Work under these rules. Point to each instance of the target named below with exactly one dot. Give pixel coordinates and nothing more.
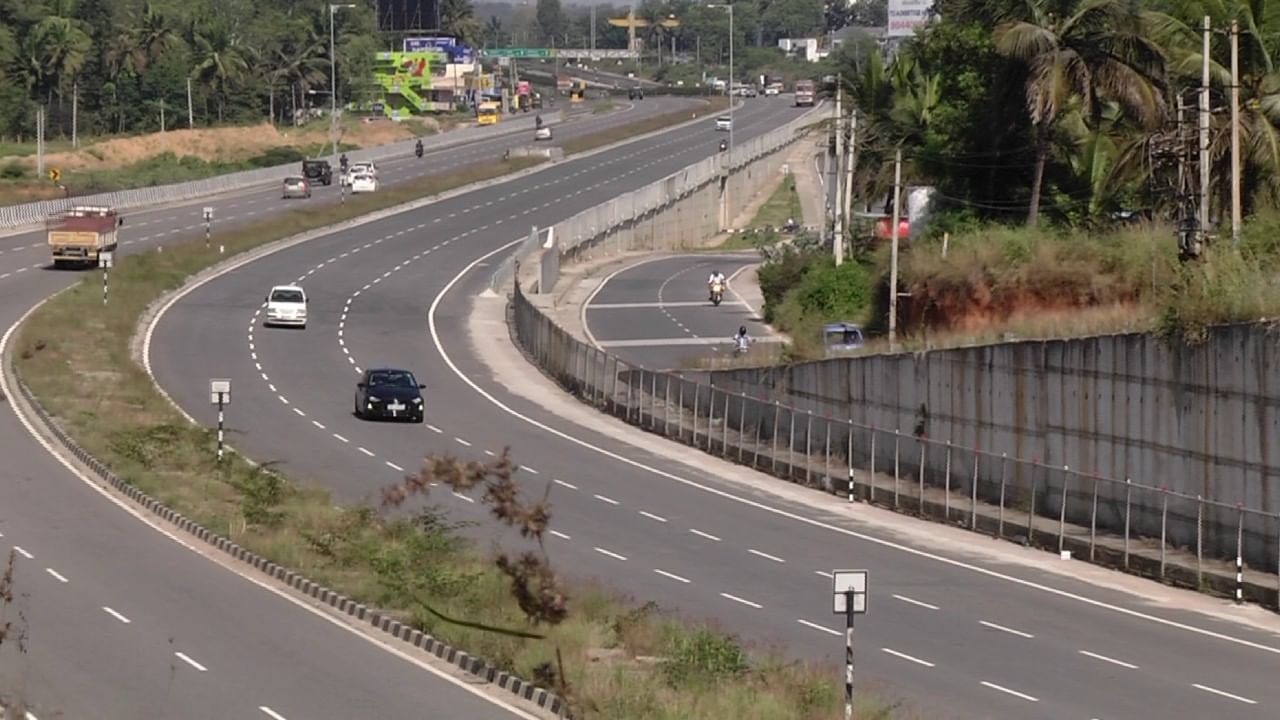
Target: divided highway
(119, 622)
(962, 634)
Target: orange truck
(78, 235)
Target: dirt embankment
(228, 144)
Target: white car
(367, 168)
(772, 90)
(724, 122)
(287, 305)
(542, 133)
(363, 182)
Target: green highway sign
(518, 52)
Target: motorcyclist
(724, 145)
(342, 162)
(715, 277)
(418, 148)
(741, 341)
(537, 121)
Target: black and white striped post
(849, 593)
(220, 395)
(1240, 554)
(106, 259)
(208, 225)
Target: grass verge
(624, 132)
(622, 661)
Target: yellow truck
(78, 235)
(488, 113)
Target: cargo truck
(804, 93)
(78, 235)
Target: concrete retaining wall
(1202, 421)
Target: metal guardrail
(17, 216)
(1141, 528)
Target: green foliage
(701, 655)
(778, 275)
(834, 293)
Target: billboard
(446, 45)
(907, 15)
(408, 15)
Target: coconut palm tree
(219, 60)
(1100, 50)
(457, 17)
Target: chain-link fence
(1142, 528)
(16, 216)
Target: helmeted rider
(716, 276)
(343, 161)
(418, 148)
(537, 120)
(742, 340)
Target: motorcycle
(717, 293)
(418, 151)
(724, 146)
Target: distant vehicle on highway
(842, 337)
(287, 305)
(724, 122)
(295, 187)
(488, 113)
(635, 93)
(542, 133)
(364, 167)
(318, 170)
(773, 89)
(805, 93)
(363, 182)
(77, 236)
(389, 393)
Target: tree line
(1082, 110)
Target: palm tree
(153, 36)
(1103, 49)
(457, 17)
(219, 60)
(493, 32)
(59, 48)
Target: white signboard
(106, 259)
(220, 391)
(907, 15)
(844, 582)
(208, 214)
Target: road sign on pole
(105, 260)
(220, 395)
(849, 594)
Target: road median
(72, 362)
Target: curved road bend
(971, 637)
(656, 314)
(107, 604)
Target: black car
(635, 94)
(318, 170)
(389, 393)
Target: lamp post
(333, 78)
(729, 87)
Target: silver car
(296, 187)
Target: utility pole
(161, 114)
(40, 141)
(593, 31)
(893, 255)
(1204, 135)
(851, 149)
(1235, 132)
(75, 114)
(191, 114)
(837, 226)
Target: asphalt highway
(656, 313)
(119, 622)
(963, 635)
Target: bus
(488, 113)
(804, 93)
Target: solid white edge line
(816, 626)
(287, 597)
(907, 657)
(1014, 693)
(986, 572)
(1111, 660)
(1224, 694)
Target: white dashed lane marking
(116, 615)
(191, 662)
(708, 536)
(673, 576)
(743, 601)
(560, 535)
(608, 553)
(56, 575)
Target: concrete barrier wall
(1200, 422)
